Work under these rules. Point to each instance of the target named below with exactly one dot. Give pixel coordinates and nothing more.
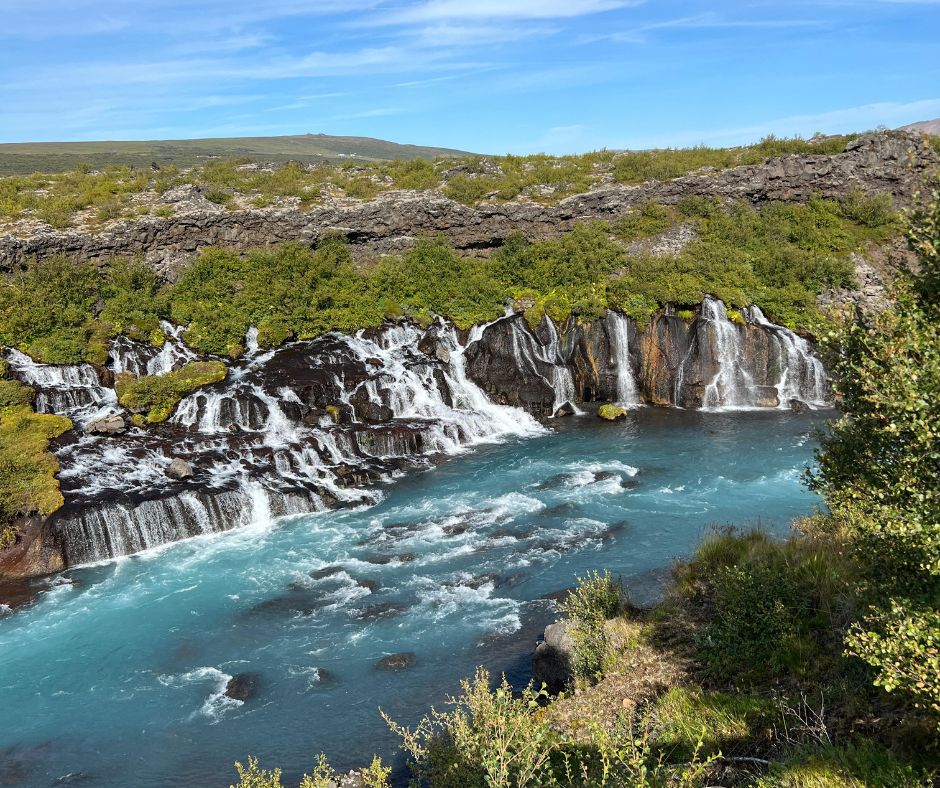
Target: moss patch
(158, 395)
(611, 412)
(27, 469)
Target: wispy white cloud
(437, 10)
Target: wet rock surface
(243, 686)
(394, 662)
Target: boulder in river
(109, 425)
(798, 406)
(242, 686)
(400, 661)
(552, 662)
(179, 469)
(611, 412)
(565, 409)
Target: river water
(114, 677)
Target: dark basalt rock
(566, 409)
(372, 585)
(242, 686)
(327, 571)
(380, 610)
(401, 661)
(798, 406)
(552, 662)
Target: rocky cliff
(889, 162)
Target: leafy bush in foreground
(597, 598)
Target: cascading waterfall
(303, 427)
(529, 353)
(802, 374)
(126, 355)
(732, 385)
(74, 391)
(260, 462)
(628, 394)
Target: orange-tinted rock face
(35, 553)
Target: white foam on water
(217, 703)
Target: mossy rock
(611, 412)
(27, 468)
(158, 395)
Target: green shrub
(596, 598)
(490, 738)
(771, 609)
(877, 467)
(158, 395)
(12, 393)
(651, 219)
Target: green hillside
(20, 158)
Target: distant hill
(927, 126)
(19, 158)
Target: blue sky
(485, 75)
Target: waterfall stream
(732, 386)
(540, 359)
(628, 394)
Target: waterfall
(732, 385)
(126, 355)
(529, 353)
(74, 391)
(627, 392)
(802, 375)
(254, 456)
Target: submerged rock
(552, 662)
(401, 661)
(242, 686)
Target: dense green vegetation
(158, 395)
(27, 470)
(110, 191)
(779, 256)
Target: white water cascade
(732, 385)
(628, 394)
(140, 359)
(254, 455)
(71, 390)
(529, 351)
(802, 374)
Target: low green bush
(858, 764)
(771, 609)
(597, 598)
(687, 719)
